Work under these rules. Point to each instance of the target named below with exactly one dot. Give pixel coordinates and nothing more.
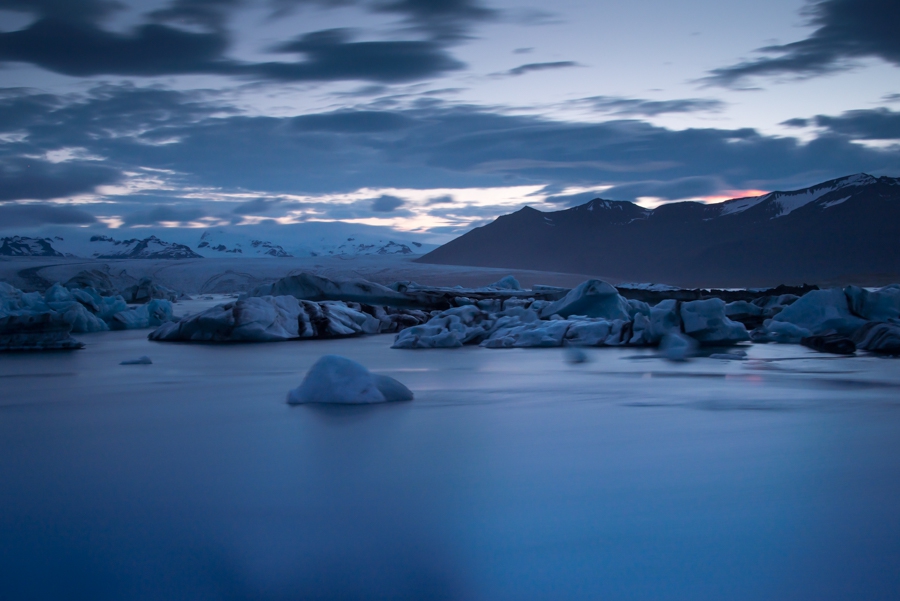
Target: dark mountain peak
(781, 203)
(843, 229)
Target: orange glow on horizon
(732, 194)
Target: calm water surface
(513, 475)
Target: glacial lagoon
(512, 475)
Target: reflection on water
(513, 475)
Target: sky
(429, 116)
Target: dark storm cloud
(440, 19)
(446, 19)
(387, 204)
(846, 30)
(210, 13)
(162, 214)
(331, 55)
(82, 49)
(80, 10)
(432, 146)
(352, 122)
(531, 67)
(871, 124)
(649, 108)
(686, 187)
(257, 206)
(25, 178)
(29, 215)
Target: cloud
(443, 19)
(209, 13)
(330, 55)
(257, 206)
(846, 30)
(352, 122)
(531, 67)
(29, 215)
(80, 10)
(83, 49)
(162, 214)
(79, 48)
(211, 152)
(446, 20)
(868, 124)
(618, 105)
(387, 204)
(34, 179)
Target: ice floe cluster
(503, 315)
(278, 318)
(592, 314)
(39, 321)
(837, 320)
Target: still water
(513, 475)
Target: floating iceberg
(675, 346)
(36, 332)
(82, 310)
(821, 312)
(876, 305)
(705, 321)
(278, 318)
(879, 337)
(593, 298)
(143, 360)
(337, 380)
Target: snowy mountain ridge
(785, 203)
(23, 246)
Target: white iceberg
(875, 305)
(36, 332)
(879, 337)
(675, 346)
(821, 312)
(705, 321)
(592, 298)
(269, 319)
(337, 380)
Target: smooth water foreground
(513, 475)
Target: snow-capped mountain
(378, 247)
(780, 204)
(841, 229)
(22, 246)
(105, 247)
(211, 242)
(305, 240)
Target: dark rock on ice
(830, 343)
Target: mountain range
(300, 240)
(844, 229)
